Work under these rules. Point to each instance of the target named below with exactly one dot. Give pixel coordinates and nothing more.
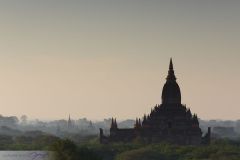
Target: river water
(26, 155)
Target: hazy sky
(99, 59)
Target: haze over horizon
(110, 59)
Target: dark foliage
(67, 150)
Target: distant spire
(69, 121)
(136, 122)
(112, 124)
(171, 75)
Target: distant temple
(170, 121)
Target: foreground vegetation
(219, 150)
(91, 149)
(216, 151)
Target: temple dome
(171, 91)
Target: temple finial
(171, 75)
(171, 64)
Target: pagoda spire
(171, 75)
(171, 64)
(112, 124)
(69, 121)
(171, 91)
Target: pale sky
(102, 58)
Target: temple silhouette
(170, 122)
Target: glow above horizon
(101, 59)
